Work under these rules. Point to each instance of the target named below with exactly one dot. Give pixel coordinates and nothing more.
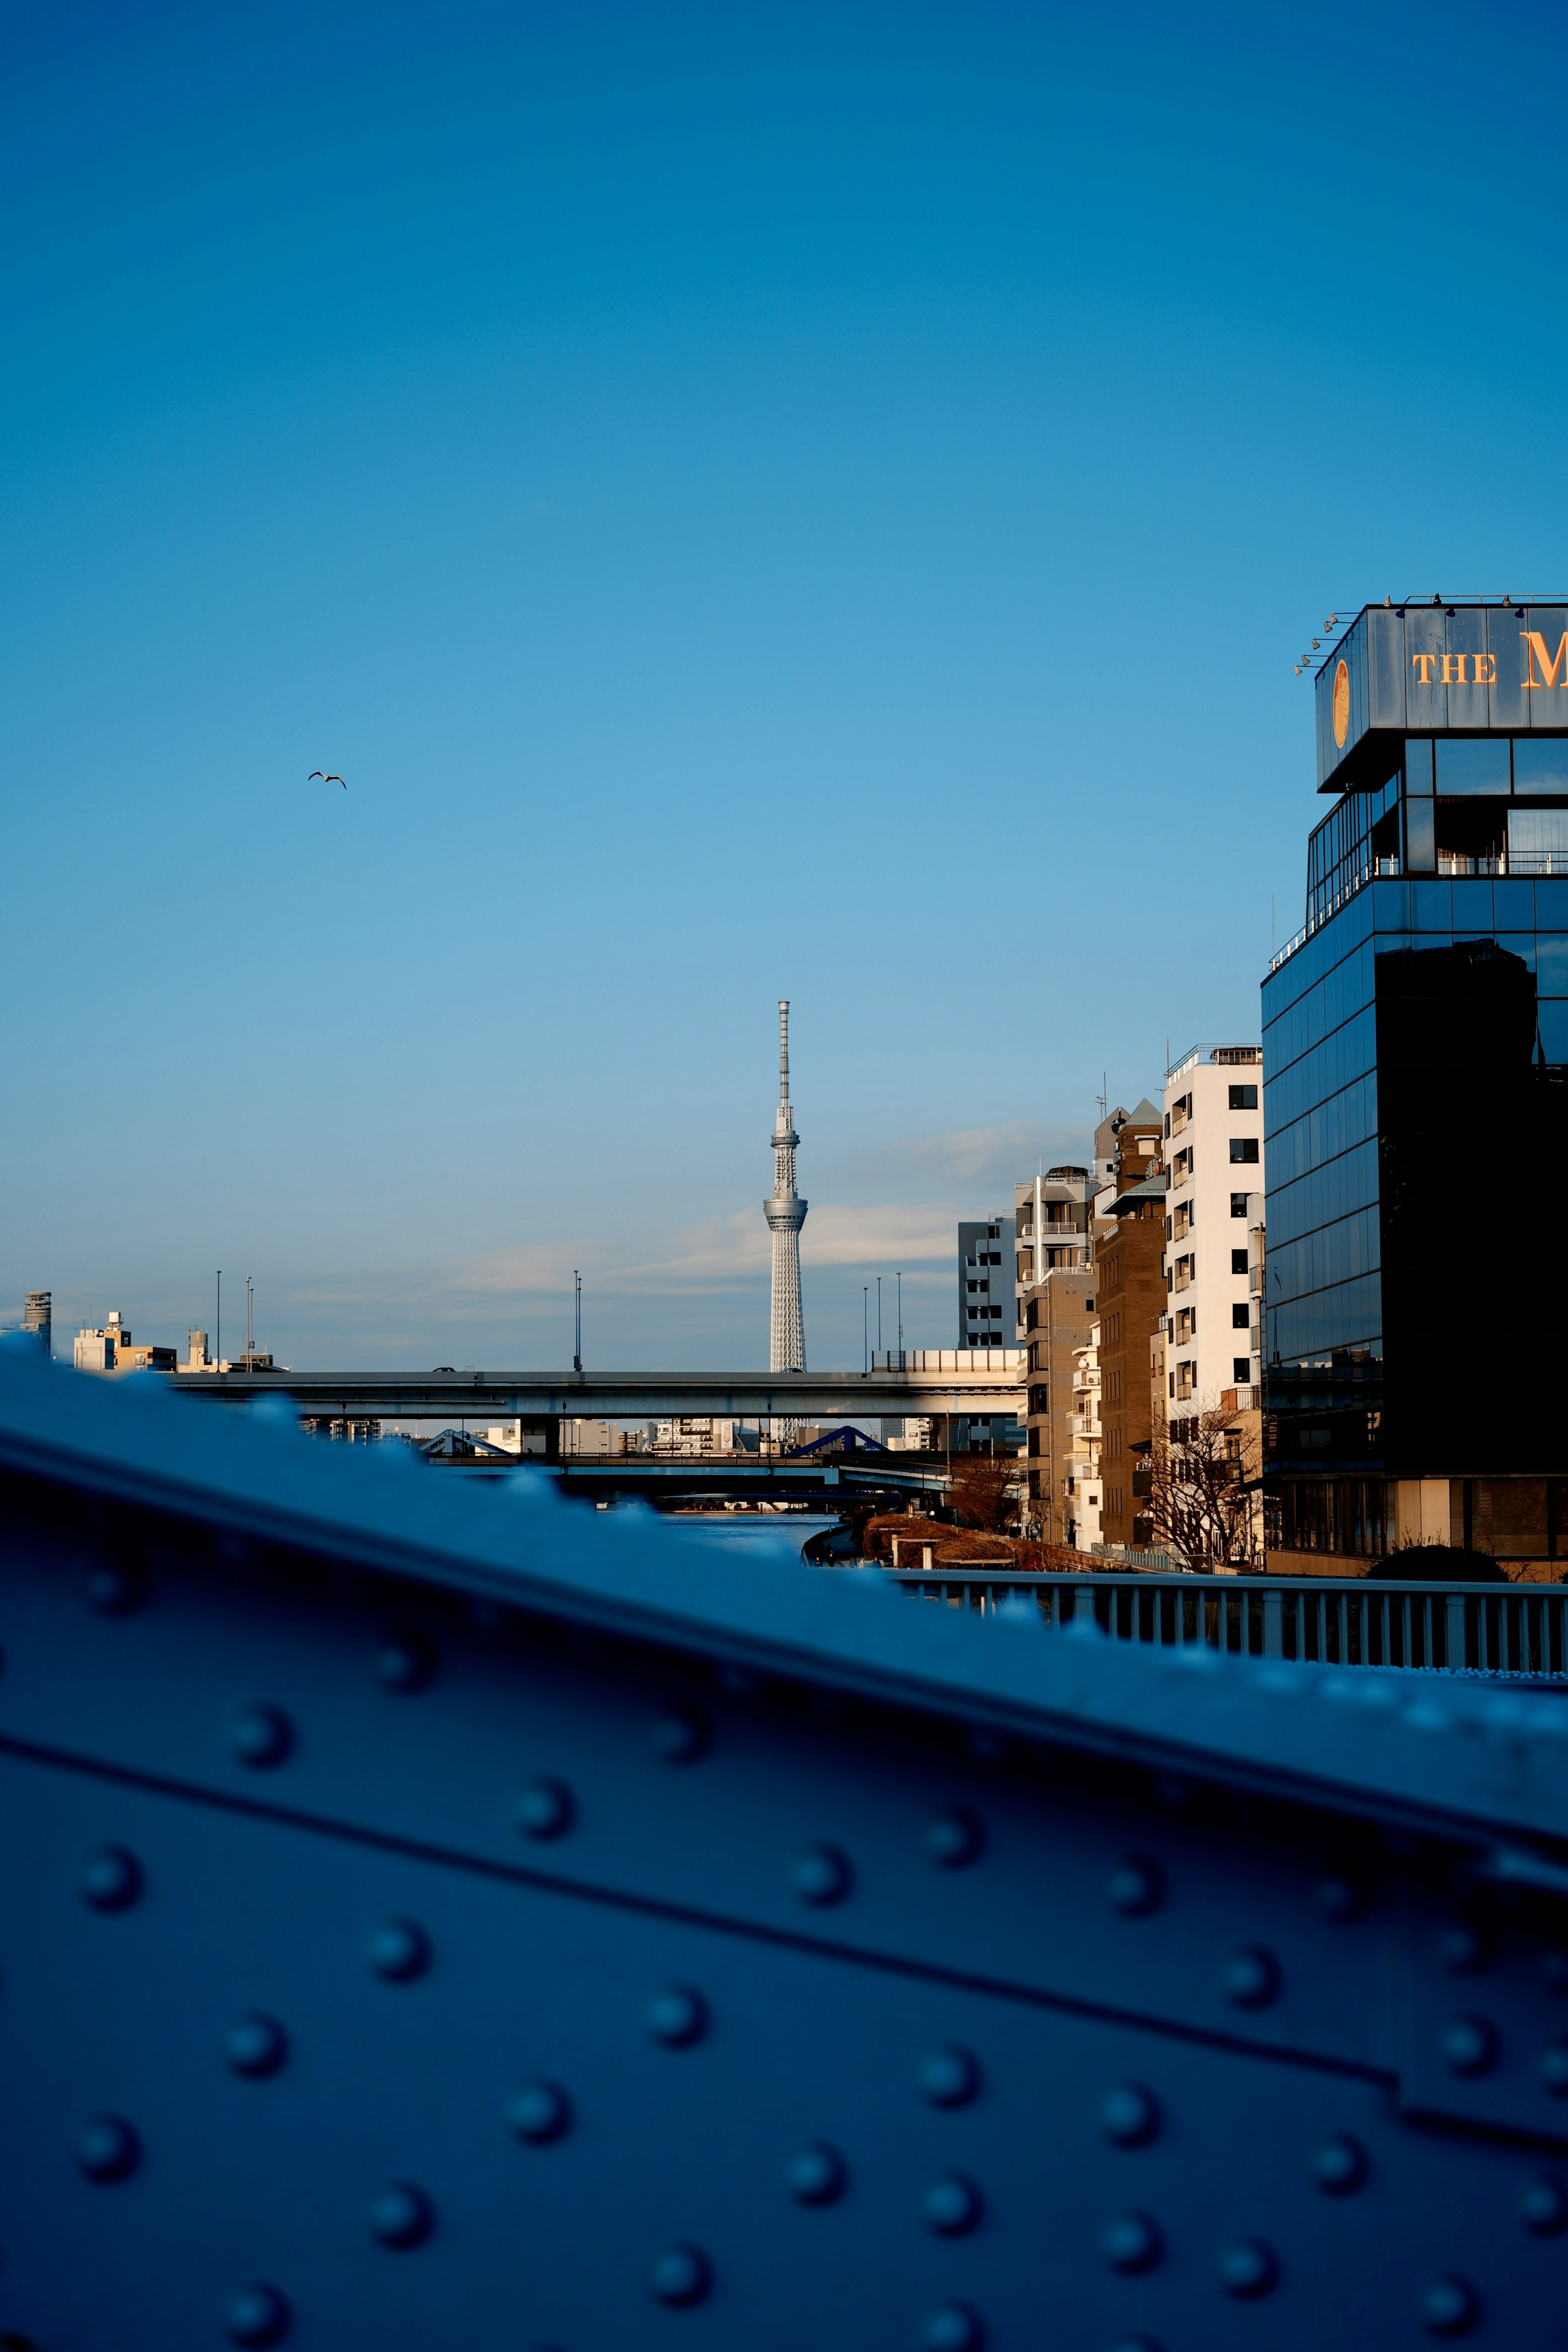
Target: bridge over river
(927, 1381)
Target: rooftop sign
(1437, 670)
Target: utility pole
(866, 1329)
(220, 1319)
(879, 1315)
(899, 1278)
(577, 1347)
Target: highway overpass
(959, 1381)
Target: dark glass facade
(1416, 1107)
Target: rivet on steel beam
(1340, 2164)
(678, 2016)
(1247, 2267)
(255, 2044)
(1464, 1948)
(950, 2076)
(1469, 2045)
(405, 1662)
(261, 1736)
(1544, 2205)
(399, 1950)
(546, 1808)
(400, 2215)
(257, 2316)
(954, 1837)
(1250, 1977)
(115, 1590)
(680, 2277)
(1341, 1898)
(1555, 2069)
(1129, 2115)
(954, 2327)
(1136, 1887)
(816, 2174)
(110, 1879)
(952, 2206)
(682, 1734)
(539, 2112)
(1450, 2307)
(108, 2149)
(1132, 2242)
(822, 1875)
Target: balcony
(1083, 1424)
(1182, 1279)
(1255, 1281)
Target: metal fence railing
(1328, 1620)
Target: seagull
(325, 778)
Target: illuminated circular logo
(1341, 705)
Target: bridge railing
(1331, 1621)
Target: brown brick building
(1057, 1315)
(1130, 1299)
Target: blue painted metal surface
(437, 1916)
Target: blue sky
(817, 502)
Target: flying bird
(325, 778)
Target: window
(973, 1287)
(1239, 1316)
(1244, 1147)
(1241, 1368)
(1032, 1316)
(1171, 1376)
(1238, 1261)
(1243, 1098)
(996, 1256)
(1239, 1204)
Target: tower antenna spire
(786, 1213)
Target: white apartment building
(1214, 1152)
(1082, 1489)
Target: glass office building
(1415, 1099)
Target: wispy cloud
(721, 1253)
(984, 1157)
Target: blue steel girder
(439, 1914)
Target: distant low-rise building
(110, 1348)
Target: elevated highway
(937, 1381)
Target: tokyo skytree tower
(786, 1213)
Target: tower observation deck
(786, 1213)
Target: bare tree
(983, 1490)
(1201, 1500)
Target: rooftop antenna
(577, 1351)
(220, 1316)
